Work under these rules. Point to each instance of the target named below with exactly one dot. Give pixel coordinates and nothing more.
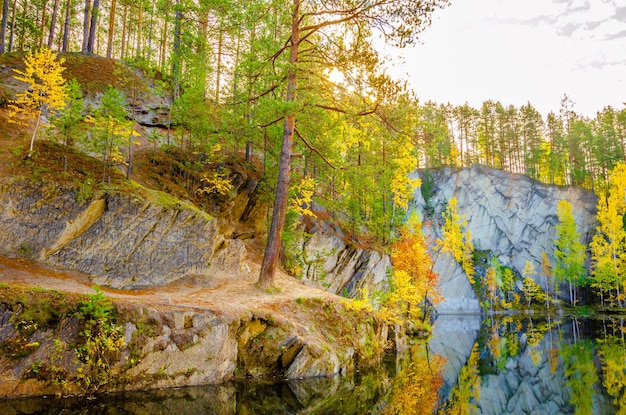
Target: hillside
(190, 257)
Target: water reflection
(510, 365)
(360, 393)
(556, 366)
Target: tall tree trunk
(42, 27)
(53, 23)
(163, 42)
(93, 25)
(150, 33)
(22, 37)
(124, 21)
(176, 52)
(218, 73)
(111, 29)
(66, 25)
(86, 25)
(3, 25)
(274, 239)
(138, 52)
(12, 26)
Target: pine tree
(69, 124)
(402, 20)
(110, 128)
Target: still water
(505, 365)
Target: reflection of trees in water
(463, 398)
(583, 360)
(415, 388)
(612, 351)
(580, 374)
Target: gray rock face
(123, 241)
(340, 267)
(509, 214)
(136, 243)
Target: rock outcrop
(510, 215)
(123, 241)
(126, 241)
(339, 266)
(181, 346)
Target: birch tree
(569, 252)
(608, 247)
(43, 74)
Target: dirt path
(229, 297)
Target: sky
(520, 51)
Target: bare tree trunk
(274, 239)
(93, 26)
(124, 21)
(66, 25)
(111, 29)
(32, 139)
(53, 23)
(163, 48)
(42, 27)
(150, 33)
(3, 25)
(176, 52)
(12, 26)
(21, 39)
(138, 52)
(86, 25)
(218, 73)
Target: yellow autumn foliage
(415, 389)
(302, 197)
(414, 282)
(456, 241)
(215, 183)
(43, 74)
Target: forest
(236, 76)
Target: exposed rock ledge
(182, 334)
(191, 284)
(123, 241)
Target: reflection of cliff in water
(523, 365)
(453, 338)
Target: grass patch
(36, 308)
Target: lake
(505, 365)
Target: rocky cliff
(127, 241)
(123, 241)
(340, 267)
(510, 215)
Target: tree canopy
(301, 87)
